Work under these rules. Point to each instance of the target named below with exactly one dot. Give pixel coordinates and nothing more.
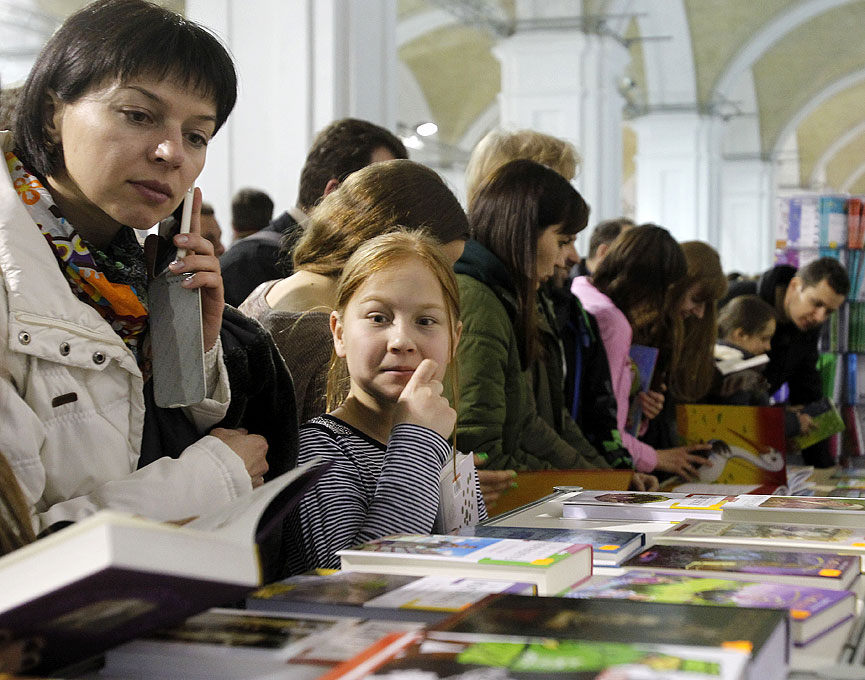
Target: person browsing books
(803, 300)
(112, 129)
(632, 297)
(395, 329)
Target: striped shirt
(370, 491)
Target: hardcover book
(609, 548)
(381, 596)
(813, 611)
(553, 567)
(639, 505)
(420, 657)
(813, 569)
(112, 576)
(748, 442)
(763, 633)
(828, 511)
(839, 540)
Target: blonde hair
(372, 201)
(500, 146)
(377, 255)
(692, 377)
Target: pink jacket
(616, 335)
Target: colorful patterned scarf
(113, 283)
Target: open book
(114, 576)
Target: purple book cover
(744, 560)
(110, 607)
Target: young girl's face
(757, 343)
(394, 321)
(552, 249)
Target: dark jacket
(255, 259)
(497, 413)
(794, 354)
(589, 401)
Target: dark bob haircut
(116, 40)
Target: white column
(746, 216)
(678, 173)
(301, 65)
(565, 84)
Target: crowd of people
(376, 324)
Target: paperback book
(112, 576)
(762, 633)
(419, 657)
(813, 611)
(381, 596)
(748, 442)
(839, 540)
(827, 421)
(827, 511)
(552, 567)
(811, 569)
(639, 505)
(609, 548)
(643, 360)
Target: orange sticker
(739, 645)
(829, 572)
(544, 561)
(609, 547)
(799, 614)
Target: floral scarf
(114, 283)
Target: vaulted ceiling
(792, 69)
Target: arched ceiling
(803, 57)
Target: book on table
(553, 567)
(748, 442)
(421, 656)
(800, 568)
(761, 633)
(643, 505)
(609, 548)
(813, 611)
(112, 576)
(380, 596)
(839, 540)
(816, 510)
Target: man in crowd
(803, 300)
(251, 211)
(340, 149)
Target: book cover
(815, 569)
(854, 211)
(382, 596)
(764, 633)
(813, 611)
(822, 510)
(551, 566)
(609, 548)
(643, 505)
(112, 577)
(833, 221)
(748, 442)
(643, 360)
(500, 659)
(827, 421)
(841, 540)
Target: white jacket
(71, 400)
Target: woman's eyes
(136, 116)
(427, 321)
(196, 139)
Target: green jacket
(497, 414)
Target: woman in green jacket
(522, 218)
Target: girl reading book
(395, 328)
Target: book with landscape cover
(643, 505)
(553, 567)
(806, 568)
(828, 511)
(112, 576)
(224, 644)
(381, 596)
(418, 656)
(839, 540)
(609, 548)
(827, 421)
(813, 611)
(748, 442)
(763, 633)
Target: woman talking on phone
(111, 130)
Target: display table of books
(606, 585)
